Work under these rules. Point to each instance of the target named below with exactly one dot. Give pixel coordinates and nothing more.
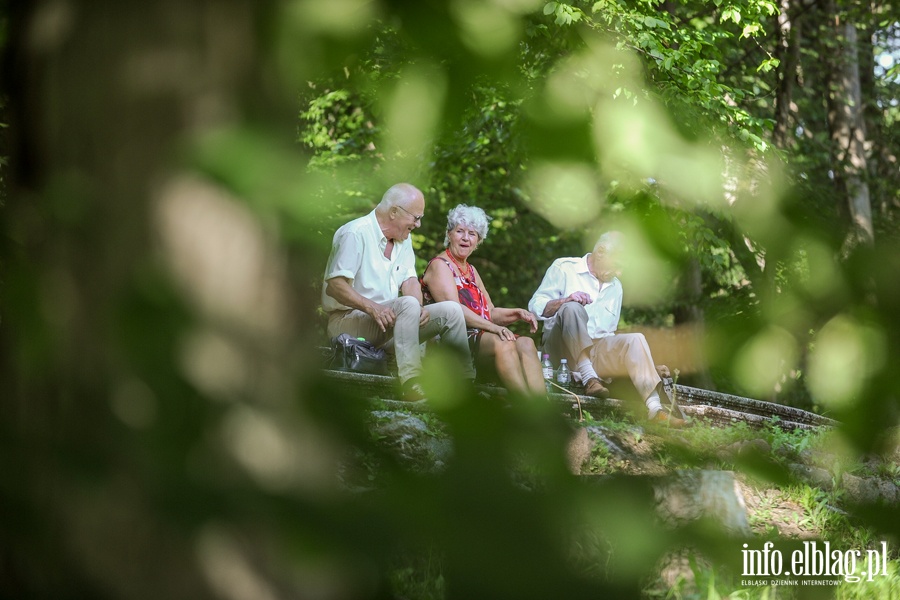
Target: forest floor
(826, 479)
(788, 485)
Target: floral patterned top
(470, 295)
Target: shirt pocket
(397, 275)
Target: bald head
(610, 243)
(400, 211)
(400, 194)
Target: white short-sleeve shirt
(357, 253)
(569, 275)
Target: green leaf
(653, 22)
(731, 14)
(550, 7)
(768, 65)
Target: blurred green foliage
(164, 429)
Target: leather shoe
(412, 391)
(663, 417)
(593, 387)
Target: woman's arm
(507, 316)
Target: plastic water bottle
(564, 376)
(547, 367)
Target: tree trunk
(690, 316)
(848, 129)
(882, 158)
(788, 53)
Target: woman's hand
(505, 334)
(528, 317)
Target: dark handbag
(360, 356)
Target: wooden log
(690, 395)
(720, 409)
(725, 416)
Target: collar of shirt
(582, 265)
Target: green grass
(783, 505)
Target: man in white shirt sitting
(579, 301)
(371, 263)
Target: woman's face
(463, 241)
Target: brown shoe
(595, 388)
(663, 417)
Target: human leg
(531, 366)
(358, 324)
(568, 338)
(626, 354)
(506, 360)
(629, 353)
(447, 320)
(406, 337)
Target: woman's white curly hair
(471, 216)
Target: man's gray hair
(472, 216)
(397, 194)
(609, 243)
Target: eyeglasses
(416, 218)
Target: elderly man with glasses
(579, 301)
(371, 289)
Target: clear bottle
(547, 367)
(563, 375)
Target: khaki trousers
(612, 356)
(403, 339)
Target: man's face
(606, 266)
(408, 217)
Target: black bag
(360, 356)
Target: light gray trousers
(403, 339)
(612, 356)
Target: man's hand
(383, 315)
(424, 317)
(553, 306)
(580, 297)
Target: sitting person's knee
(447, 313)
(526, 344)
(635, 338)
(571, 310)
(405, 303)
(505, 348)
